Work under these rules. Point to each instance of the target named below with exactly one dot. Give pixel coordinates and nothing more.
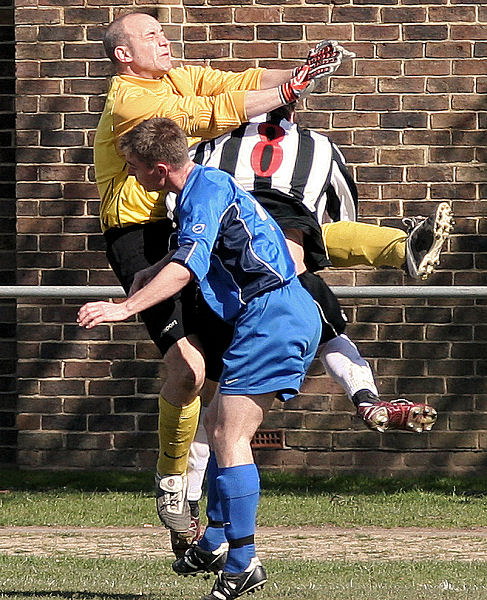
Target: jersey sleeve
(209, 81)
(203, 102)
(199, 215)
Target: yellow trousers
(349, 244)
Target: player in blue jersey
(238, 255)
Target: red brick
(60, 3)
(353, 85)
(33, 16)
(469, 67)
(428, 67)
(403, 120)
(406, 85)
(256, 14)
(452, 14)
(39, 441)
(427, 137)
(197, 50)
(448, 154)
(400, 50)
(383, 67)
(39, 52)
(307, 14)
(425, 32)
(84, 15)
(280, 32)
(403, 156)
(376, 32)
(329, 32)
(467, 102)
(211, 15)
(427, 103)
(355, 119)
(403, 15)
(461, 120)
(88, 441)
(248, 50)
(63, 68)
(429, 173)
(448, 49)
(376, 138)
(449, 84)
(468, 32)
(83, 51)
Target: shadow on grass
(272, 483)
(73, 595)
(284, 483)
(82, 481)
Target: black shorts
(133, 248)
(333, 319)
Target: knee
(219, 438)
(190, 374)
(185, 372)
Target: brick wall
(7, 238)
(410, 115)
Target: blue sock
(239, 489)
(214, 536)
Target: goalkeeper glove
(299, 84)
(325, 58)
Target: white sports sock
(199, 453)
(346, 366)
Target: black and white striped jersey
(280, 156)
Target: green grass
(126, 499)
(122, 579)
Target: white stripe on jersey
(320, 171)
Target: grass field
(72, 578)
(125, 499)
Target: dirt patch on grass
(324, 543)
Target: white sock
(199, 453)
(346, 366)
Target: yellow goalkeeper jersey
(204, 102)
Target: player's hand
(325, 58)
(92, 314)
(299, 85)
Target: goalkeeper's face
(149, 49)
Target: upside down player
(300, 177)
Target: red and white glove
(299, 84)
(325, 58)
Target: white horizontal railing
(363, 291)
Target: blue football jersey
(234, 248)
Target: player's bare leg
(231, 423)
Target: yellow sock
(177, 428)
(349, 244)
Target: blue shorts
(276, 338)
